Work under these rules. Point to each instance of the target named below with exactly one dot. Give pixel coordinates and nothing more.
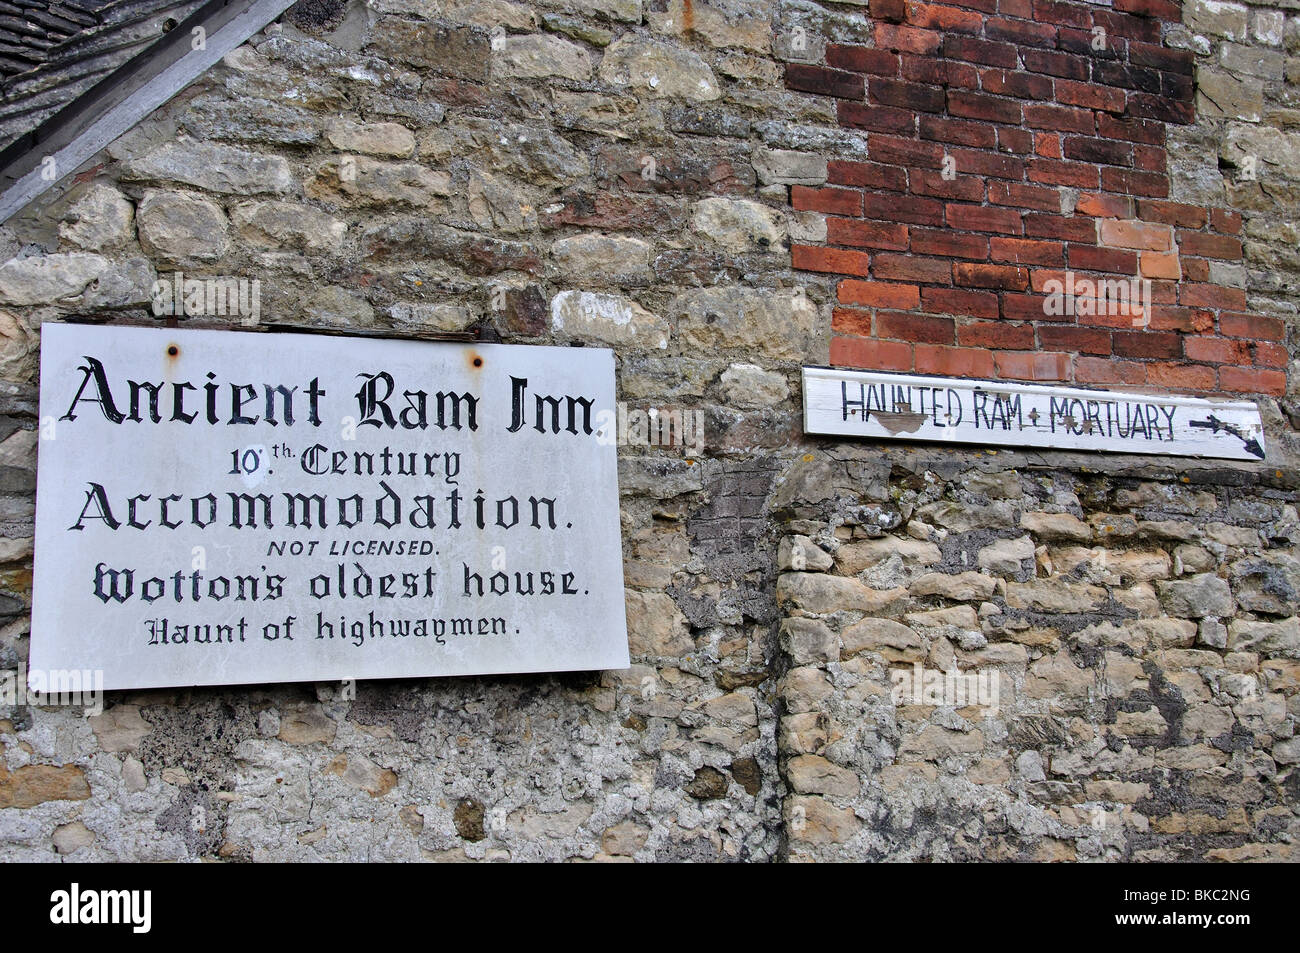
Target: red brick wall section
(1008, 142)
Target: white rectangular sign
(997, 413)
(219, 507)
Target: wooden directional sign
(217, 507)
(996, 413)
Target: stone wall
(635, 175)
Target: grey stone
(607, 258)
(658, 69)
(99, 220)
(385, 139)
(787, 167)
(749, 386)
(178, 227)
(611, 319)
(288, 225)
(777, 323)
(361, 180)
(1197, 597)
(44, 279)
(739, 225)
(213, 167)
(540, 57)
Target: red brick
(983, 218)
(1080, 42)
(878, 294)
(1018, 141)
(861, 59)
(988, 163)
(1078, 228)
(914, 96)
(976, 304)
(907, 39)
(1147, 344)
(1181, 376)
(1271, 355)
(1131, 130)
(966, 49)
(1065, 337)
(1211, 296)
(870, 175)
(1207, 245)
(917, 328)
(1165, 317)
(1032, 365)
(958, 132)
(1096, 370)
(934, 16)
(1023, 251)
(1077, 175)
(1024, 196)
(1162, 58)
(1105, 206)
(1098, 316)
(1166, 10)
(871, 354)
(972, 275)
(1209, 350)
(1242, 380)
(1047, 144)
(895, 151)
(1102, 151)
(1155, 264)
(912, 268)
(1222, 220)
(875, 118)
(1018, 307)
(1126, 76)
(938, 72)
(1195, 269)
(915, 210)
(860, 234)
(979, 106)
(953, 361)
(925, 182)
(1150, 159)
(1134, 183)
(890, 11)
(1171, 213)
(824, 82)
(852, 321)
(1094, 258)
(949, 244)
(1131, 233)
(1257, 327)
(1001, 82)
(1063, 14)
(1020, 32)
(1090, 96)
(996, 334)
(832, 201)
(838, 261)
(1051, 63)
(1061, 118)
(1121, 24)
(1017, 8)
